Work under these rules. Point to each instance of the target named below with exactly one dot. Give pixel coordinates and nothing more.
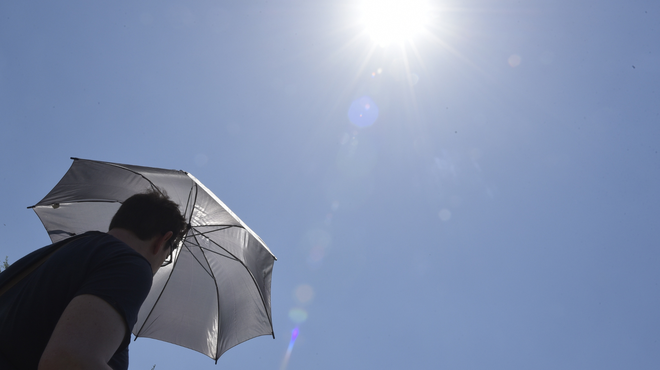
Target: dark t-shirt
(96, 264)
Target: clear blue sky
(501, 212)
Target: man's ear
(160, 242)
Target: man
(77, 309)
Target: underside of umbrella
(216, 293)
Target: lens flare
(444, 214)
(287, 356)
(514, 60)
(316, 255)
(363, 112)
(294, 335)
(304, 293)
(298, 315)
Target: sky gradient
(494, 207)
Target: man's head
(150, 214)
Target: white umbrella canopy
(215, 294)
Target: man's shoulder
(97, 242)
(94, 252)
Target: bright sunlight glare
(389, 21)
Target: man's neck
(141, 246)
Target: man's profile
(77, 309)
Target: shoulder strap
(28, 270)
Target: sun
(394, 21)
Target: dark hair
(150, 214)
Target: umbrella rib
(222, 227)
(263, 301)
(136, 173)
(185, 211)
(195, 188)
(225, 225)
(232, 214)
(198, 261)
(79, 201)
(220, 254)
(217, 297)
(168, 280)
(196, 233)
(177, 260)
(159, 295)
(231, 256)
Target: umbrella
(215, 294)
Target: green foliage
(4, 264)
